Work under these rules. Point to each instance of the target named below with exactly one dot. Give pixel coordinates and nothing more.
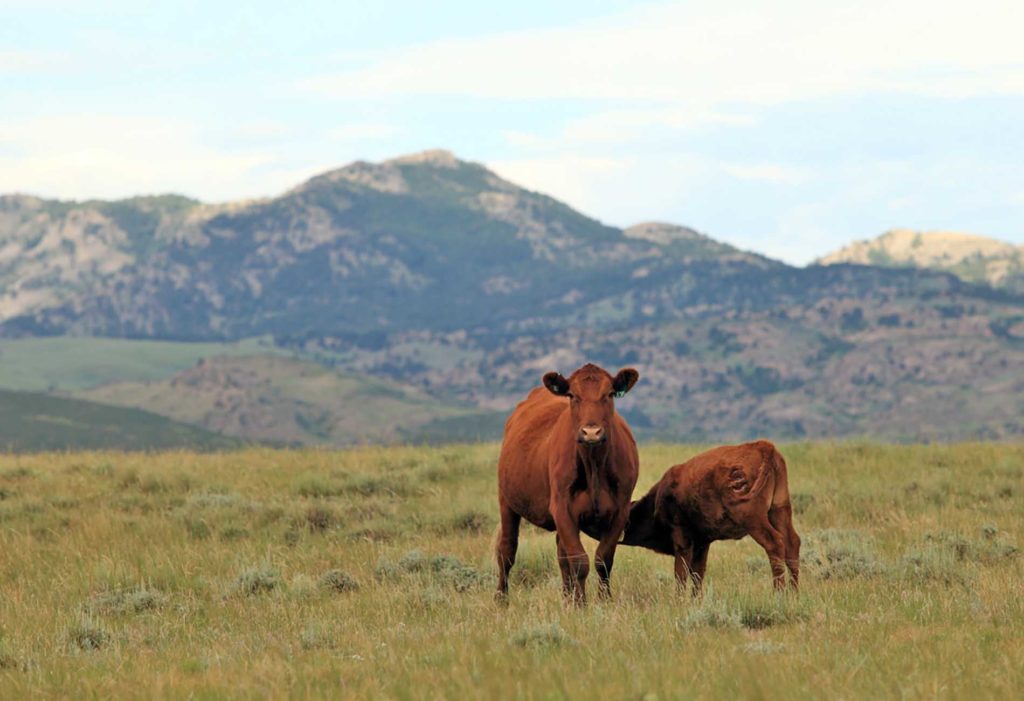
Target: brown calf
(725, 493)
(568, 464)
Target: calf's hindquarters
(723, 494)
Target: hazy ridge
(461, 289)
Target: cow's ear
(624, 381)
(556, 384)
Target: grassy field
(367, 574)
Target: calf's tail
(780, 497)
(772, 469)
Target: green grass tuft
(258, 580)
(317, 486)
(87, 635)
(710, 615)
(413, 561)
(315, 637)
(839, 554)
(120, 602)
(320, 518)
(542, 637)
(338, 581)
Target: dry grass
(367, 574)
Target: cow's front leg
(572, 558)
(604, 556)
(506, 547)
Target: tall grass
(368, 574)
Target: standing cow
(725, 493)
(568, 464)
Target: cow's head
(592, 393)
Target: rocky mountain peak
(969, 256)
(661, 232)
(386, 176)
(923, 248)
(435, 157)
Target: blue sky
(788, 128)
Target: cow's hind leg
(781, 518)
(774, 544)
(506, 547)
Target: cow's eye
(570, 395)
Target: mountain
(31, 422)
(459, 289)
(52, 251)
(969, 257)
(418, 241)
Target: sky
(790, 128)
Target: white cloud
(106, 156)
(628, 189)
(619, 125)
(708, 54)
(802, 234)
(561, 173)
(523, 139)
(260, 129)
(32, 61)
(767, 172)
(360, 132)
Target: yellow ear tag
(620, 394)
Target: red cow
(568, 464)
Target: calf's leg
(699, 564)
(781, 518)
(682, 547)
(774, 545)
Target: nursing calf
(723, 494)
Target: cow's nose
(591, 434)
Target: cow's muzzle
(591, 435)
